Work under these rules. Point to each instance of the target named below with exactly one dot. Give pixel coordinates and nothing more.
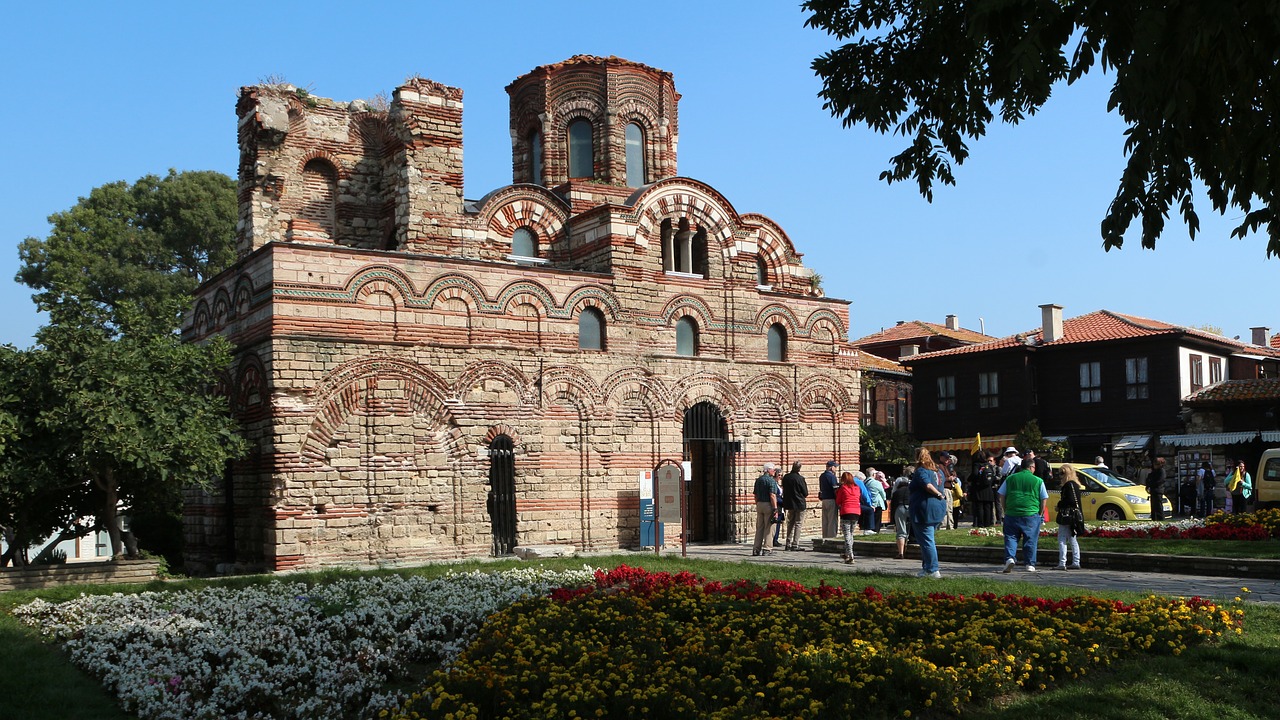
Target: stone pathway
(1218, 588)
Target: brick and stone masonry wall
(372, 375)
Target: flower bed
(1216, 527)
(1268, 519)
(280, 650)
(658, 645)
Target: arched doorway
(711, 457)
(501, 503)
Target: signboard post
(668, 479)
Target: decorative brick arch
(242, 298)
(594, 296)
(821, 390)
(340, 171)
(526, 292)
(201, 320)
(380, 278)
(770, 389)
(503, 429)
(571, 383)
(782, 314)
(688, 306)
(456, 286)
(223, 310)
(774, 243)
(347, 387)
(677, 197)
(636, 383)
(250, 390)
(705, 386)
(504, 372)
(513, 207)
(825, 318)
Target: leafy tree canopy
(128, 257)
(1196, 82)
(885, 444)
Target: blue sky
(97, 92)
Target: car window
(1104, 480)
(1272, 469)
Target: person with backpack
(1205, 482)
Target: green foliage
(111, 408)
(1030, 438)
(1194, 81)
(127, 258)
(884, 444)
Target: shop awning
(1230, 438)
(1271, 436)
(1057, 438)
(996, 443)
(1131, 443)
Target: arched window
(684, 249)
(581, 146)
(762, 272)
(319, 192)
(635, 156)
(524, 243)
(535, 157)
(686, 337)
(590, 330)
(777, 343)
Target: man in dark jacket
(828, 483)
(795, 493)
(1155, 487)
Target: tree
(127, 258)
(1196, 83)
(1030, 438)
(111, 408)
(886, 444)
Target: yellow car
(1108, 496)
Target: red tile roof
(912, 329)
(1099, 326)
(1239, 391)
(875, 363)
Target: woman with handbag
(1070, 517)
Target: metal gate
(712, 460)
(501, 503)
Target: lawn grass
(1182, 548)
(1220, 681)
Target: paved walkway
(1220, 588)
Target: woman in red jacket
(849, 505)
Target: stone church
(426, 377)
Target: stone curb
(1265, 568)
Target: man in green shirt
(1023, 497)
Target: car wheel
(1110, 513)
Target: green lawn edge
(37, 682)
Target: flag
(977, 444)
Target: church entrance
(712, 459)
(501, 503)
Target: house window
(635, 156)
(902, 404)
(684, 249)
(762, 273)
(590, 330)
(1090, 382)
(869, 405)
(1135, 379)
(535, 157)
(524, 243)
(988, 390)
(777, 343)
(1215, 370)
(947, 393)
(686, 337)
(581, 160)
(1197, 373)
